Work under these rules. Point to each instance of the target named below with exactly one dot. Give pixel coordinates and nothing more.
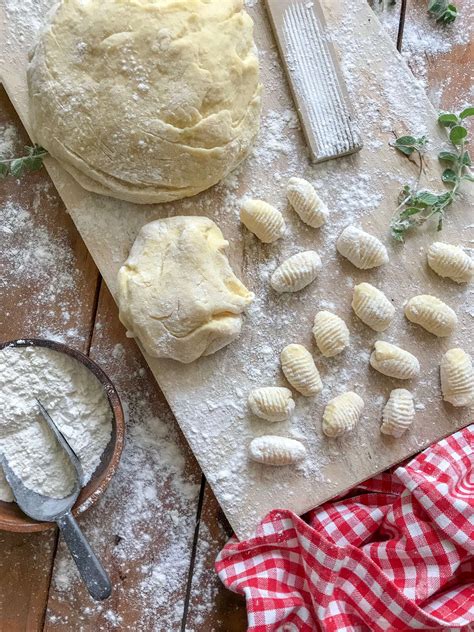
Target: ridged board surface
(316, 81)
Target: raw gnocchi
(300, 370)
(275, 450)
(451, 262)
(263, 220)
(342, 414)
(272, 403)
(457, 378)
(372, 306)
(362, 249)
(398, 413)
(306, 202)
(296, 272)
(331, 333)
(394, 361)
(432, 314)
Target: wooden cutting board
(208, 397)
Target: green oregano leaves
(443, 11)
(409, 144)
(417, 206)
(32, 161)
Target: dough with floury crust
(146, 100)
(177, 293)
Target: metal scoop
(48, 509)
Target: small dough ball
(330, 333)
(296, 272)
(272, 403)
(457, 377)
(177, 293)
(300, 370)
(146, 101)
(450, 262)
(306, 202)
(263, 220)
(432, 314)
(342, 414)
(362, 249)
(398, 413)
(372, 306)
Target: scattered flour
(138, 513)
(147, 534)
(424, 40)
(78, 405)
(9, 141)
(30, 251)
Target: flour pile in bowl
(77, 404)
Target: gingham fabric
(397, 553)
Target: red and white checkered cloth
(395, 554)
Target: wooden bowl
(11, 516)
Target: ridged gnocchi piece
(457, 378)
(362, 249)
(398, 413)
(372, 306)
(451, 262)
(342, 414)
(432, 314)
(272, 403)
(263, 220)
(275, 450)
(330, 333)
(306, 202)
(394, 361)
(300, 370)
(296, 272)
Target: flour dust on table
(76, 402)
(361, 191)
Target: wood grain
(210, 394)
(26, 560)
(212, 608)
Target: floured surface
(209, 396)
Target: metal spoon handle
(91, 570)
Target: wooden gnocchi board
(208, 397)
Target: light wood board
(208, 397)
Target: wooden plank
(211, 606)
(143, 528)
(48, 282)
(208, 397)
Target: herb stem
(8, 161)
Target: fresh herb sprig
(418, 206)
(32, 161)
(443, 11)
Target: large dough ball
(177, 293)
(146, 100)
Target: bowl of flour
(85, 406)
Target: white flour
(77, 403)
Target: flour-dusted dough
(457, 378)
(432, 314)
(177, 293)
(398, 413)
(342, 414)
(147, 101)
(276, 450)
(272, 403)
(296, 272)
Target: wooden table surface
(158, 529)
